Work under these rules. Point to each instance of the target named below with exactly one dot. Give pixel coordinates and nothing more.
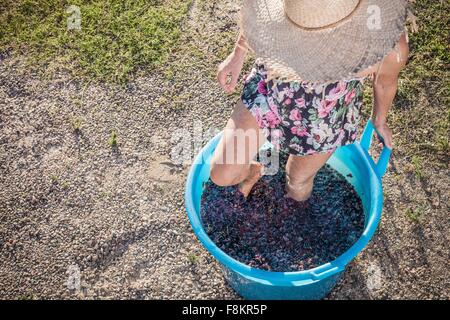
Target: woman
(304, 93)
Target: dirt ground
(89, 191)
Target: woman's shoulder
(398, 54)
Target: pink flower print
(262, 87)
(275, 136)
(326, 107)
(257, 114)
(300, 103)
(337, 92)
(273, 106)
(296, 147)
(299, 131)
(288, 92)
(340, 137)
(287, 101)
(350, 96)
(272, 119)
(295, 115)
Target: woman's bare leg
(300, 173)
(232, 162)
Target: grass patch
(112, 141)
(28, 296)
(192, 258)
(76, 125)
(420, 116)
(416, 214)
(117, 37)
(418, 166)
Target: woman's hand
(229, 70)
(384, 131)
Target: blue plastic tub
(252, 283)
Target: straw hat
(322, 40)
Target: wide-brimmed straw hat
(322, 40)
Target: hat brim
(336, 53)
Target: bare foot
(255, 173)
(300, 193)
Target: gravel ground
(72, 203)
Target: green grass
(120, 39)
(112, 141)
(421, 113)
(76, 124)
(54, 178)
(117, 37)
(416, 214)
(28, 296)
(192, 258)
(418, 166)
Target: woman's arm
(385, 86)
(228, 71)
(241, 44)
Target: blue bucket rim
(290, 277)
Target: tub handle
(366, 141)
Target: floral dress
(302, 118)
